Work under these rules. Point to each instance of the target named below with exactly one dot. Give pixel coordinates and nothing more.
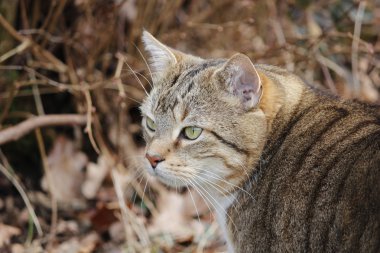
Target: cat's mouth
(173, 182)
(169, 180)
(166, 177)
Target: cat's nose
(154, 159)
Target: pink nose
(154, 159)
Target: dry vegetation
(71, 80)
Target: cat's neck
(282, 92)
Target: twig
(206, 237)
(88, 128)
(119, 68)
(8, 27)
(24, 45)
(122, 206)
(329, 80)
(38, 51)
(12, 93)
(128, 216)
(355, 46)
(24, 197)
(54, 203)
(16, 132)
(37, 97)
(45, 34)
(339, 70)
(53, 21)
(280, 36)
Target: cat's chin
(171, 182)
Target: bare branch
(38, 51)
(16, 132)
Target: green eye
(192, 132)
(150, 124)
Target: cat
(287, 168)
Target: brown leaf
(76, 245)
(6, 233)
(65, 164)
(102, 218)
(95, 174)
(172, 218)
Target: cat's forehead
(185, 88)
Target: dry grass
(83, 57)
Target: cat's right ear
(161, 57)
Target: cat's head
(201, 121)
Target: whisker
(217, 203)
(146, 63)
(217, 187)
(205, 199)
(191, 195)
(213, 184)
(137, 78)
(134, 100)
(142, 177)
(136, 72)
(205, 180)
(142, 199)
(245, 169)
(217, 177)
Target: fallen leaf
(6, 233)
(172, 218)
(117, 232)
(95, 175)
(17, 248)
(65, 164)
(67, 227)
(76, 245)
(102, 218)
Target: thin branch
(38, 51)
(53, 200)
(20, 48)
(24, 197)
(119, 68)
(16, 132)
(355, 46)
(89, 121)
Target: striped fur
(302, 168)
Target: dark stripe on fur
(270, 154)
(314, 140)
(341, 186)
(175, 79)
(321, 180)
(342, 113)
(229, 144)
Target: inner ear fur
(242, 80)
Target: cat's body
(288, 169)
(317, 183)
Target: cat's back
(317, 185)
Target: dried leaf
(74, 245)
(6, 233)
(172, 218)
(65, 164)
(94, 177)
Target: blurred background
(72, 76)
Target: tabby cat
(286, 167)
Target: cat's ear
(161, 57)
(242, 80)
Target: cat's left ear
(242, 80)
